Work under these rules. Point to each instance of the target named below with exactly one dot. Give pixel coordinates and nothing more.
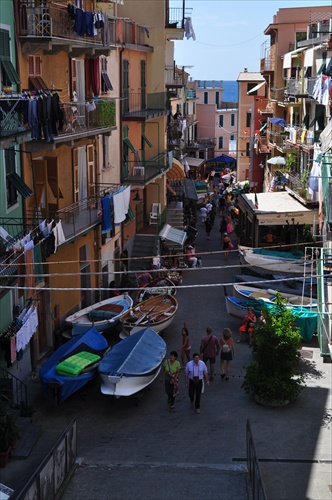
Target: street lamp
(137, 197)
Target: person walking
(196, 370)
(209, 349)
(185, 348)
(226, 245)
(223, 226)
(226, 345)
(170, 371)
(208, 227)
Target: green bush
(275, 375)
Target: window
(125, 85)
(251, 86)
(10, 167)
(217, 99)
(247, 149)
(232, 137)
(206, 98)
(8, 74)
(194, 108)
(221, 143)
(248, 120)
(232, 119)
(221, 120)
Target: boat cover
(138, 354)
(305, 319)
(275, 253)
(91, 341)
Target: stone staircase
(174, 218)
(143, 246)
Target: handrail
(19, 390)
(255, 476)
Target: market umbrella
(277, 160)
(279, 121)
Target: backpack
(225, 348)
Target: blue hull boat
(72, 366)
(132, 364)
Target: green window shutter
(10, 72)
(4, 45)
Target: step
(28, 440)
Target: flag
(256, 201)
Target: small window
(217, 99)
(247, 149)
(251, 86)
(248, 119)
(206, 98)
(221, 120)
(232, 120)
(232, 137)
(221, 143)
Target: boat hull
(246, 292)
(265, 264)
(126, 386)
(132, 364)
(158, 312)
(81, 321)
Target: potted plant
(9, 433)
(274, 376)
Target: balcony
(77, 218)
(12, 128)
(191, 94)
(141, 106)
(145, 171)
(51, 28)
(265, 107)
(202, 143)
(295, 87)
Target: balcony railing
(202, 143)
(11, 117)
(144, 106)
(79, 116)
(147, 170)
(265, 107)
(49, 21)
(191, 94)
(76, 219)
(175, 17)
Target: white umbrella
(277, 160)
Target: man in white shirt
(196, 370)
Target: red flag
(256, 201)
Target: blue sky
(229, 35)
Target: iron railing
(13, 390)
(11, 117)
(142, 105)
(255, 475)
(175, 17)
(135, 172)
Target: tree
(274, 375)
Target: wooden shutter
(4, 45)
(75, 176)
(73, 76)
(90, 169)
(40, 173)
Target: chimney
(245, 70)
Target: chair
(155, 212)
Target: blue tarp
(91, 341)
(138, 354)
(222, 159)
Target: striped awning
(176, 172)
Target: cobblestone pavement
(148, 452)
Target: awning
(194, 162)
(222, 159)
(278, 121)
(19, 185)
(288, 57)
(10, 72)
(190, 192)
(37, 83)
(256, 88)
(176, 172)
(172, 234)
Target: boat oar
(144, 316)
